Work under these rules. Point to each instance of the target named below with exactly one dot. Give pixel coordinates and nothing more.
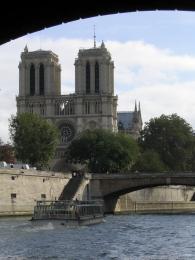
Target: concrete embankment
(155, 207)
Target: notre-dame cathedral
(93, 105)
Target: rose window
(67, 133)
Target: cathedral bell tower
(94, 83)
(94, 72)
(39, 77)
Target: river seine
(118, 237)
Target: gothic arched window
(32, 80)
(41, 79)
(87, 77)
(97, 77)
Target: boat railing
(73, 209)
(68, 202)
(86, 210)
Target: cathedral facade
(93, 105)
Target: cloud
(163, 99)
(162, 80)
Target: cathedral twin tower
(93, 105)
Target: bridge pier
(96, 194)
(110, 204)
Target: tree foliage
(7, 153)
(149, 161)
(103, 151)
(34, 139)
(172, 138)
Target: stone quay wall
(126, 205)
(20, 189)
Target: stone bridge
(110, 186)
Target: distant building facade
(93, 105)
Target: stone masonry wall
(20, 189)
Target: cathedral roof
(126, 118)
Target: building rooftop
(126, 118)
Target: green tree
(34, 139)
(149, 161)
(172, 138)
(103, 151)
(7, 153)
(1, 150)
(191, 161)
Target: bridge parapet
(140, 175)
(104, 185)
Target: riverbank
(21, 189)
(133, 207)
(156, 207)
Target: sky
(153, 53)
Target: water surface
(119, 237)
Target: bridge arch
(22, 20)
(147, 181)
(115, 185)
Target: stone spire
(140, 115)
(137, 121)
(94, 37)
(102, 45)
(26, 48)
(135, 106)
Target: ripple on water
(39, 227)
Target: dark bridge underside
(28, 17)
